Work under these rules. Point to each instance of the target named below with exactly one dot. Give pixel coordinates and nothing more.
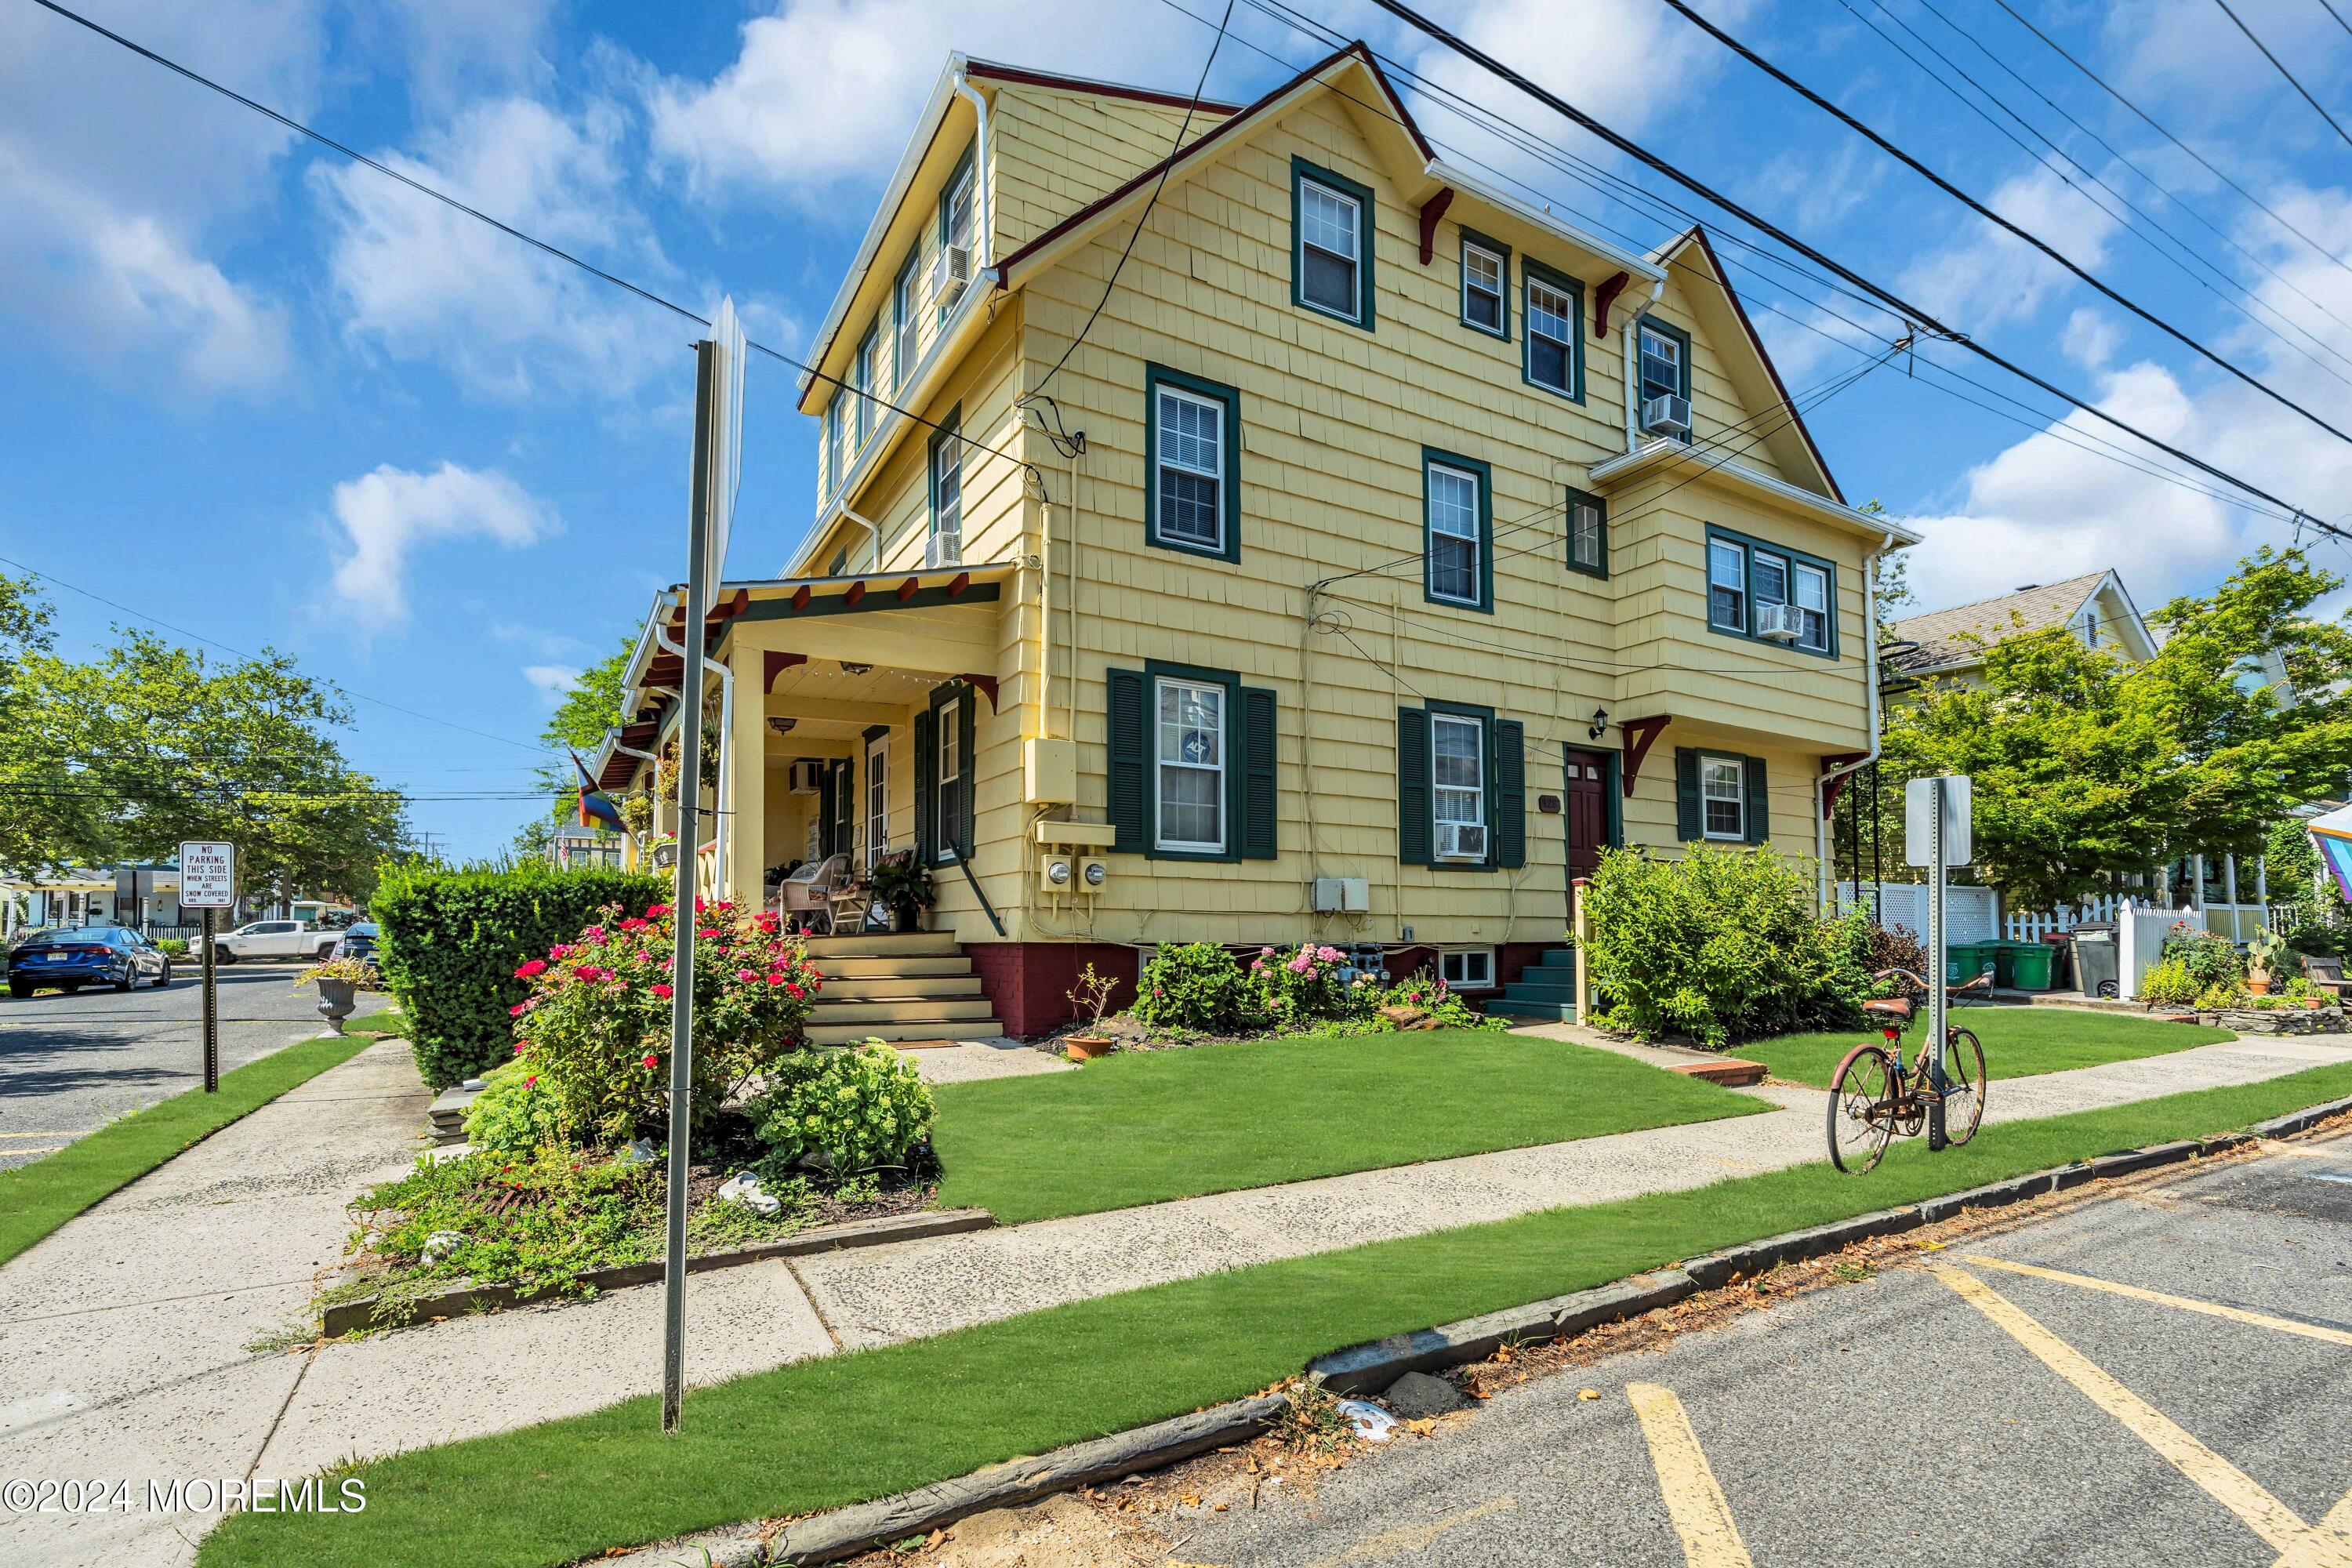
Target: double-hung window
(1455, 505)
(947, 494)
(1485, 287)
(1812, 608)
(948, 796)
(955, 228)
(1727, 586)
(1554, 306)
(1191, 762)
(905, 296)
(862, 378)
(1768, 581)
(836, 441)
(1664, 364)
(1723, 791)
(1588, 533)
(1193, 496)
(1332, 265)
(1457, 746)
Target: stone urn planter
(337, 999)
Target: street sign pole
(212, 1013)
(1939, 944)
(689, 840)
(208, 882)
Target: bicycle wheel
(1964, 1085)
(1862, 1109)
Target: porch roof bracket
(984, 684)
(1432, 211)
(1837, 786)
(772, 665)
(1602, 298)
(1641, 734)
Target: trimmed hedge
(452, 940)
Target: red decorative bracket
(772, 665)
(1602, 298)
(1641, 734)
(857, 591)
(982, 683)
(1837, 786)
(1432, 211)
(906, 589)
(800, 599)
(956, 588)
(729, 608)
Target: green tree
(47, 817)
(2087, 768)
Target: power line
(2147, 120)
(1682, 8)
(2318, 107)
(1898, 305)
(2329, 7)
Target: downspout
(874, 537)
(1633, 383)
(1870, 679)
(980, 208)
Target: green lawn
(1142, 1127)
(388, 1022)
(36, 1199)
(2019, 1042)
(824, 1432)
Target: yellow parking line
(2299, 1545)
(2185, 1303)
(1693, 1502)
(45, 1149)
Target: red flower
(651, 1059)
(656, 911)
(795, 992)
(518, 1010)
(633, 925)
(536, 966)
(747, 975)
(530, 1082)
(521, 1046)
(708, 935)
(662, 991)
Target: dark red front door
(1586, 806)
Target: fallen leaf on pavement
(1588, 1393)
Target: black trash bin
(2094, 948)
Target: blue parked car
(91, 955)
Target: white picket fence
(1971, 914)
(2034, 927)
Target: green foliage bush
(860, 1109)
(452, 940)
(1192, 985)
(173, 947)
(2209, 959)
(2169, 984)
(514, 1114)
(1722, 944)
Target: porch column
(747, 763)
(2197, 883)
(2262, 886)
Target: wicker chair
(806, 895)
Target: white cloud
(1990, 275)
(824, 93)
(454, 44)
(555, 682)
(2090, 340)
(426, 283)
(387, 514)
(117, 183)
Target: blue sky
(270, 398)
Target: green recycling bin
(1964, 961)
(2023, 966)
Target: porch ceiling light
(780, 724)
(849, 669)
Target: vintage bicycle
(1875, 1095)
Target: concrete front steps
(1545, 989)
(918, 986)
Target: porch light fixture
(780, 724)
(1599, 723)
(849, 669)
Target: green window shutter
(1129, 760)
(1510, 791)
(1415, 821)
(1758, 805)
(1259, 804)
(965, 707)
(1690, 819)
(927, 786)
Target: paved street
(71, 1064)
(1952, 1410)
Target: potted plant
(906, 888)
(2262, 951)
(340, 980)
(1091, 995)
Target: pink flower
(1303, 964)
(1327, 954)
(662, 991)
(651, 1059)
(518, 1010)
(747, 975)
(1257, 965)
(706, 935)
(531, 1082)
(521, 1046)
(1266, 953)
(656, 911)
(536, 966)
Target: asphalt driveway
(69, 1064)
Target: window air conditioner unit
(802, 776)
(950, 274)
(1668, 414)
(943, 548)
(1460, 841)
(1780, 622)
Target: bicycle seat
(1892, 1006)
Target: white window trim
(1747, 606)
(950, 745)
(1161, 763)
(1798, 571)
(1738, 767)
(946, 454)
(1487, 953)
(1356, 262)
(1478, 792)
(1578, 512)
(1566, 387)
(1431, 532)
(1216, 406)
(877, 823)
(1502, 289)
(1641, 356)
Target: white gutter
(1870, 675)
(1632, 261)
(979, 212)
(873, 535)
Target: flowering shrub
(595, 1026)
(1286, 990)
(2210, 959)
(514, 1114)
(860, 1109)
(1200, 987)
(1195, 985)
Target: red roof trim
(1796, 417)
(1098, 89)
(1121, 193)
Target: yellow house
(1287, 537)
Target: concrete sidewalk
(124, 1336)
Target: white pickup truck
(274, 939)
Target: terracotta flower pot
(1086, 1047)
(2258, 985)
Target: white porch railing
(706, 870)
(2066, 917)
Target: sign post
(1936, 817)
(208, 882)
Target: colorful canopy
(2332, 833)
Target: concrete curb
(344, 1316)
(1373, 1366)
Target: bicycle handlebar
(1981, 982)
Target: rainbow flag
(2332, 835)
(595, 805)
